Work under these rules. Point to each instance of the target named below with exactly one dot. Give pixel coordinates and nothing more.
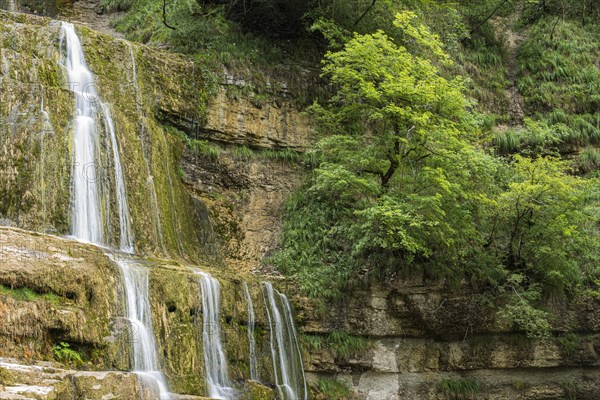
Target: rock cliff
(412, 339)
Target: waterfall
(45, 125)
(126, 239)
(214, 356)
(155, 208)
(285, 350)
(137, 306)
(158, 236)
(87, 221)
(251, 340)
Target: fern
(64, 353)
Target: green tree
(404, 182)
(543, 224)
(397, 177)
(398, 122)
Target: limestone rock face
(139, 85)
(246, 198)
(44, 381)
(421, 334)
(240, 120)
(55, 290)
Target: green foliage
(459, 389)
(584, 10)
(243, 153)
(394, 163)
(115, 5)
(543, 222)
(483, 60)
(342, 344)
(285, 155)
(569, 343)
(338, 21)
(314, 343)
(589, 159)
(199, 29)
(26, 294)
(560, 81)
(204, 148)
(570, 389)
(200, 148)
(403, 183)
(64, 353)
(521, 310)
(535, 138)
(333, 389)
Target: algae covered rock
(256, 391)
(36, 111)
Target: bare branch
(165, 16)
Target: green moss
(26, 294)
(256, 391)
(6, 377)
(520, 385)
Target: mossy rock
(6, 377)
(256, 391)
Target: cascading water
(87, 221)
(251, 340)
(126, 238)
(137, 305)
(214, 356)
(150, 179)
(287, 358)
(46, 125)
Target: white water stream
(287, 358)
(251, 339)
(158, 235)
(88, 224)
(137, 307)
(214, 356)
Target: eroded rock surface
(420, 334)
(55, 290)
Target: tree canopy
(405, 181)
